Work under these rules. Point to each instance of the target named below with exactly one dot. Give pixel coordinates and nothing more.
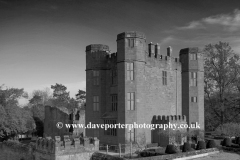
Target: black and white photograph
(119, 80)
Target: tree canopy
(61, 97)
(14, 119)
(60, 92)
(41, 96)
(221, 79)
(36, 100)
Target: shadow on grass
(229, 150)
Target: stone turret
(169, 129)
(96, 56)
(192, 84)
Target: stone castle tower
(137, 83)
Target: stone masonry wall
(169, 136)
(96, 57)
(154, 98)
(151, 96)
(49, 149)
(54, 115)
(11, 150)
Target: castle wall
(96, 57)
(151, 96)
(68, 149)
(193, 110)
(136, 55)
(110, 89)
(201, 101)
(49, 149)
(54, 115)
(90, 115)
(81, 115)
(169, 136)
(121, 101)
(154, 97)
(10, 150)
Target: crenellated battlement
(102, 52)
(131, 34)
(166, 62)
(161, 60)
(49, 145)
(46, 145)
(97, 47)
(164, 58)
(135, 48)
(112, 56)
(170, 118)
(97, 56)
(189, 50)
(170, 134)
(154, 50)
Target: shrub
(152, 145)
(159, 150)
(186, 147)
(148, 153)
(171, 149)
(229, 129)
(193, 146)
(211, 144)
(152, 153)
(201, 145)
(144, 154)
(226, 142)
(160, 154)
(237, 140)
(181, 147)
(235, 146)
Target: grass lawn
(221, 156)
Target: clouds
(229, 22)
(221, 27)
(167, 39)
(192, 25)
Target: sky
(42, 42)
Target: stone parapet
(68, 144)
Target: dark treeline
(29, 119)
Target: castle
(56, 148)
(138, 82)
(53, 115)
